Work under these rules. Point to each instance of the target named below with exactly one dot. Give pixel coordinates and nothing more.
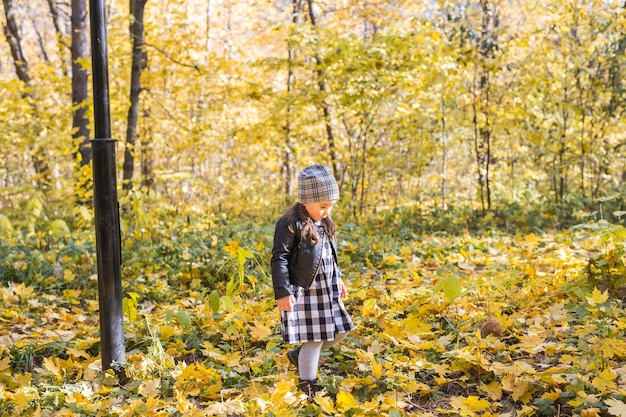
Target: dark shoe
(293, 355)
(310, 388)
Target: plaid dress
(318, 313)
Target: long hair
(309, 231)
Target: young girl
(308, 284)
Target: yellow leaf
(457, 403)
(526, 411)
(198, 381)
(232, 359)
(58, 227)
(554, 395)
(345, 401)
(49, 364)
(260, 331)
(231, 248)
(377, 370)
(243, 254)
(598, 297)
(415, 326)
(364, 356)
(210, 351)
(5, 223)
(68, 275)
(24, 395)
(616, 407)
(326, 404)
(441, 369)
(590, 412)
(532, 343)
(605, 381)
(475, 403)
(77, 353)
(370, 307)
(521, 388)
(24, 379)
(612, 347)
(168, 331)
(557, 311)
(282, 387)
(493, 390)
(150, 388)
(5, 363)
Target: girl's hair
(309, 231)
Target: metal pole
(108, 236)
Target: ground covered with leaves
(465, 324)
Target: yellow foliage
(23, 379)
(532, 343)
(150, 388)
(554, 395)
(260, 331)
(50, 365)
(493, 390)
(414, 325)
(605, 381)
(591, 412)
(612, 348)
(522, 391)
(508, 382)
(5, 363)
(195, 380)
(282, 395)
(468, 406)
(345, 401)
(526, 411)
(597, 297)
(23, 396)
(326, 404)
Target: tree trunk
(138, 63)
(288, 154)
(477, 144)
(80, 79)
(562, 170)
(487, 44)
(321, 82)
(444, 156)
(14, 40)
(561, 151)
(56, 20)
(147, 161)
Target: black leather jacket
(295, 263)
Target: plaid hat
(316, 183)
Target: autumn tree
(288, 169)
(480, 44)
(139, 58)
(80, 79)
(14, 39)
(324, 103)
(404, 97)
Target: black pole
(108, 236)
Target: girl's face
(319, 211)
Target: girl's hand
(343, 291)
(286, 303)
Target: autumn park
(479, 152)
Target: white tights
(309, 357)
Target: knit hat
(316, 183)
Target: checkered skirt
(318, 313)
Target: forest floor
(490, 325)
